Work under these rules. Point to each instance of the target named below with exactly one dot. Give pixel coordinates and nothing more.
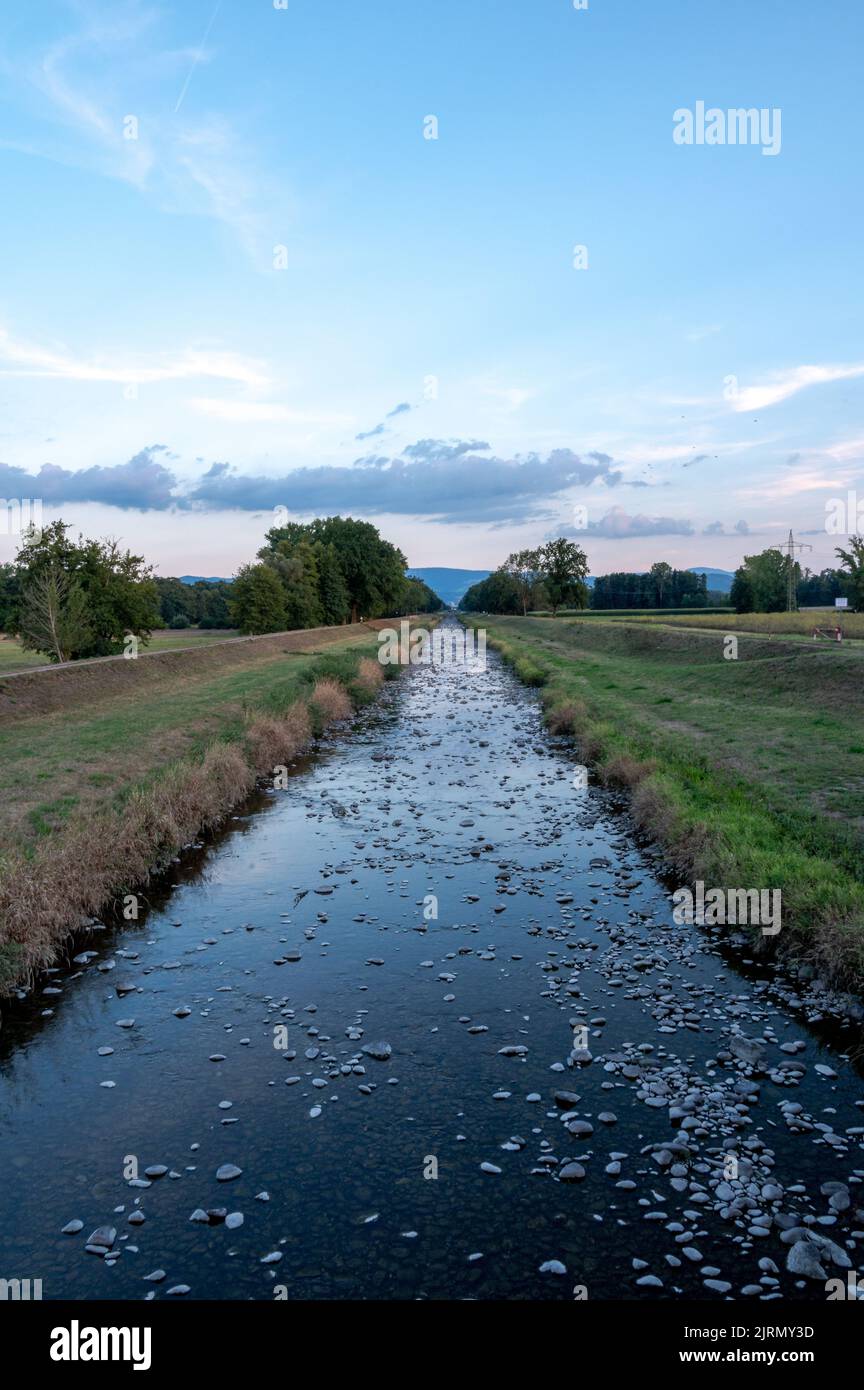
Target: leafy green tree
(176, 600)
(372, 569)
(852, 572)
(762, 582)
(661, 576)
(563, 568)
(741, 593)
(258, 600)
(10, 596)
(525, 566)
(119, 593)
(53, 615)
(212, 603)
(497, 594)
(332, 590)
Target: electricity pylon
(791, 546)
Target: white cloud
(30, 360)
(782, 385)
(260, 412)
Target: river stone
(567, 1100)
(803, 1258)
(103, 1236)
(571, 1172)
(381, 1051)
(227, 1172)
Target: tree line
(71, 599)
(661, 587)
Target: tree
(497, 594)
(563, 567)
(852, 572)
(661, 575)
(524, 566)
(741, 593)
(212, 603)
(297, 568)
(10, 595)
(332, 589)
(119, 592)
(372, 568)
(176, 600)
(53, 616)
(258, 600)
(762, 582)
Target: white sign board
(841, 603)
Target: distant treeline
(661, 587)
(527, 581)
(194, 605)
(71, 599)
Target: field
(750, 772)
(14, 658)
(799, 625)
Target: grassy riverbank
(94, 798)
(748, 772)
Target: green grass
(750, 772)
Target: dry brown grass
(370, 677)
(566, 718)
(624, 771)
(44, 898)
(276, 740)
(331, 701)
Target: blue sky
(197, 324)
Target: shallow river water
(238, 1007)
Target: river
(434, 879)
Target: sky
(448, 265)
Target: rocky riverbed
(422, 1026)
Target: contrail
(197, 55)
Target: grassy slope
(750, 772)
(55, 765)
(14, 658)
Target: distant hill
(717, 579)
(449, 584)
(200, 579)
